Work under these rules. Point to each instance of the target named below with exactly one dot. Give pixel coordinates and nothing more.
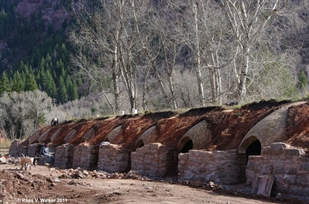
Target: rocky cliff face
(51, 10)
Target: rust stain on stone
(227, 128)
(102, 128)
(66, 127)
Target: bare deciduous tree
(23, 113)
(141, 48)
(248, 19)
(204, 29)
(113, 36)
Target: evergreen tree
(4, 83)
(53, 89)
(37, 48)
(42, 63)
(60, 66)
(63, 73)
(79, 80)
(48, 58)
(64, 53)
(62, 91)
(71, 89)
(18, 84)
(24, 68)
(49, 84)
(23, 78)
(42, 78)
(31, 84)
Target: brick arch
(200, 135)
(149, 135)
(33, 138)
(269, 129)
(113, 134)
(138, 144)
(246, 143)
(45, 137)
(183, 142)
(56, 134)
(70, 135)
(89, 135)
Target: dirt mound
(18, 185)
(49, 185)
(264, 104)
(159, 115)
(298, 126)
(201, 111)
(44, 187)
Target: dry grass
(5, 142)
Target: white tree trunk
(200, 83)
(248, 19)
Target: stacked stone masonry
(19, 148)
(85, 156)
(34, 150)
(14, 148)
(64, 155)
(151, 160)
(288, 165)
(204, 166)
(113, 158)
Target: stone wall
(14, 150)
(85, 156)
(204, 166)
(18, 148)
(288, 165)
(64, 155)
(34, 149)
(113, 158)
(151, 160)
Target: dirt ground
(50, 185)
(44, 184)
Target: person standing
(54, 122)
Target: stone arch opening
(113, 134)
(246, 143)
(138, 144)
(185, 145)
(253, 149)
(250, 146)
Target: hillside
(34, 49)
(51, 11)
(122, 57)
